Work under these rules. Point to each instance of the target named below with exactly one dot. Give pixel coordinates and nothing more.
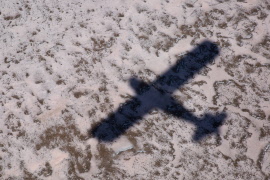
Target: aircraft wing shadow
(119, 122)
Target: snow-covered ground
(66, 65)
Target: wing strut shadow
(158, 95)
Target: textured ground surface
(66, 65)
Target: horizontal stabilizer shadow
(158, 95)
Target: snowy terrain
(66, 65)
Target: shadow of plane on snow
(158, 95)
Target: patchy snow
(66, 65)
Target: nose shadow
(158, 94)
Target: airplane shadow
(158, 95)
